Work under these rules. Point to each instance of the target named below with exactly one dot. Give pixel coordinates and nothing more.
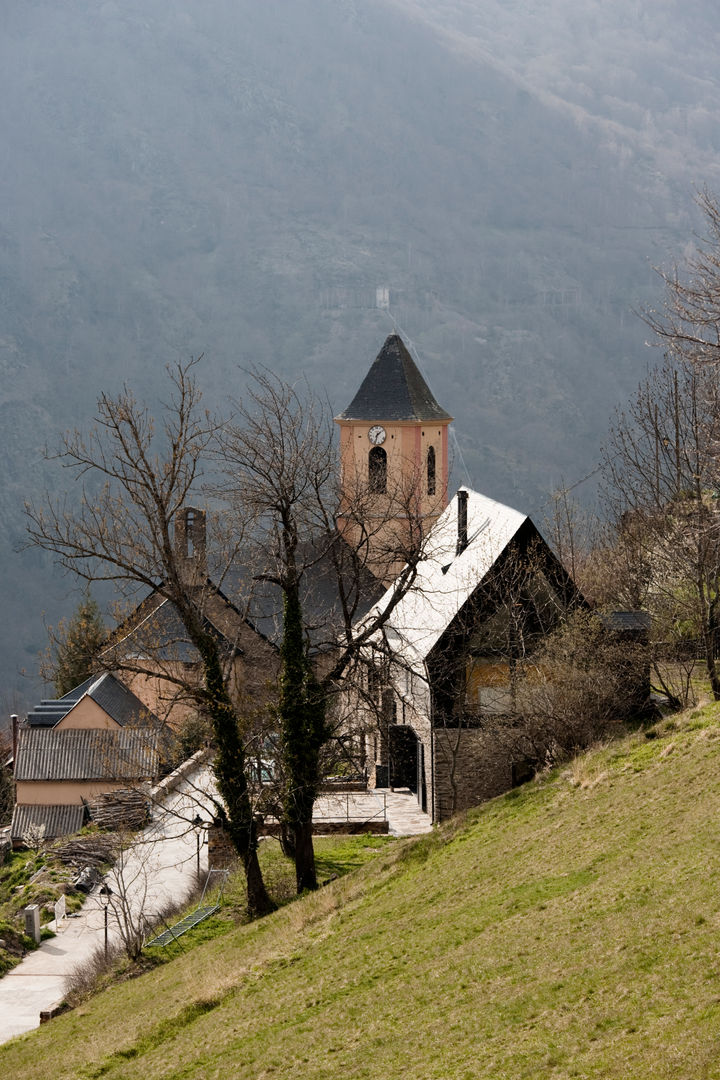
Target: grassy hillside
(568, 929)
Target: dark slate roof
(50, 711)
(626, 620)
(318, 593)
(394, 389)
(106, 691)
(162, 635)
(58, 820)
(120, 703)
(86, 754)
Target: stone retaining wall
(470, 766)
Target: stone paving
(399, 807)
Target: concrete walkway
(159, 869)
(399, 807)
(403, 812)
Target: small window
(189, 529)
(377, 466)
(431, 470)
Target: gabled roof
(162, 635)
(87, 754)
(51, 710)
(626, 621)
(394, 389)
(446, 580)
(120, 704)
(324, 559)
(155, 630)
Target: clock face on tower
(377, 435)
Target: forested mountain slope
(239, 179)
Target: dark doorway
(403, 757)
(522, 771)
(421, 789)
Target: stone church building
(440, 678)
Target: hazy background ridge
(238, 179)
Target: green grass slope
(569, 929)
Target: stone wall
(470, 766)
(221, 853)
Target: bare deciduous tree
(688, 324)
(281, 458)
(583, 682)
(136, 476)
(660, 490)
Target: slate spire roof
(394, 389)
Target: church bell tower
(393, 455)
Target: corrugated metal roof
(446, 580)
(58, 820)
(81, 754)
(394, 389)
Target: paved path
(400, 807)
(159, 869)
(403, 812)
(162, 868)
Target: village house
(151, 649)
(99, 738)
(487, 592)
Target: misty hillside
(238, 179)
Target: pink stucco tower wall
(394, 455)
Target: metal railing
(342, 810)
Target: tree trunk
(303, 734)
(287, 840)
(305, 873)
(708, 634)
(258, 900)
(231, 777)
(711, 663)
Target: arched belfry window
(431, 470)
(377, 467)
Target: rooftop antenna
(416, 356)
(461, 458)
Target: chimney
(190, 539)
(14, 723)
(462, 522)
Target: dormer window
(377, 470)
(431, 470)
